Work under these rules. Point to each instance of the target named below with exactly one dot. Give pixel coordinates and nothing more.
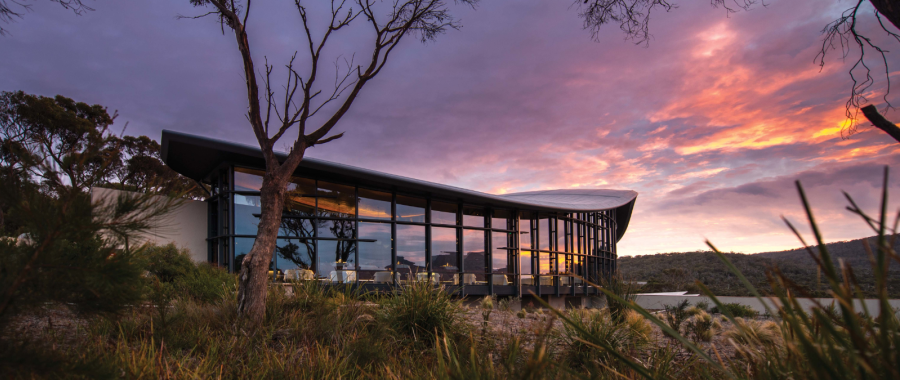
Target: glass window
(544, 233)
(297, 227)
(473, 216)
(294, 254)
(410, 209)
(336, 228)
(410, 251)
(499, 254)
(300, 198)
(443, 213)
(525, 262)
(561, 235)
(525, 231)
(242, 247)
(444, 251)
(374, 256)
(247, 179)
(473, 252)
(246, 214)
(336, 200)
(544, 263)
(335, 255)
(499, 219)
(374, 204)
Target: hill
(667, 272)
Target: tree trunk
(253, 279)
(890, 9)
(880, 122)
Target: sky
(711, 123)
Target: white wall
(655, 302)
(186, 226)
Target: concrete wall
(653, 302)
(185, 226)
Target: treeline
(669, 272)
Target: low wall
(185, 226)
(655, 302)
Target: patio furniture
(423, 277)
(468, 279)
(500, 279)
(298, 275)
(342, 276)
(384, 277)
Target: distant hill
(667, 272)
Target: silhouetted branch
(880, 122)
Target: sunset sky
(711, 123)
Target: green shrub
(676, 315)
(588, 330)
(419, 311)
(174, 267)
(737, 310)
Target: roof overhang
(197, 157)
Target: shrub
(676, 315)
(419, 311)
(640, 329)
(737, 310)
(586, 332)
(700, 327)
(174, 268)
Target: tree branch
(880, 122)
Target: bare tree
(11, 10)
(843, 34)
(271, 118)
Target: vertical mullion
(394, 238)
(428, 254)
(488, 247)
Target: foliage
(201, 281)
(676, 315)
(735, 309)
(700, 327)
(420, 311)
(625, 291)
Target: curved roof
(197, 157)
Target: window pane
(334, 256)
(473, 252)
(525, 231)
(499, 257)
(300, 198)
(473, 216)
(374, 204)
(525, 262)
(410, 251)
(294, 254)
(544, 233)
(499, 219)
(544, 263)
(443, 213)
(247, 179)
(410, 209)
(336, 200)
(245, 206)
(242, 247)
(297, 227)
(444, 252)
(374, 256)
(560, 235)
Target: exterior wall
(655, 302)
(185, 226)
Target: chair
(298, 275)
(468, 279)
(527, 280)
(546, 280)
(384, 278)
(342, 276)
(564, 280)
(423, 277)
(500, 279)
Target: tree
(425, 19)
(13, 9)
(844, 33)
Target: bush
(676, 315)
(737, 310)
(419, 311)
(700, 327)
(174, 268)
(588, 330)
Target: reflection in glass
(544, 263)
(410, 251)
(499, 219)
(335, 256)
(247, 179)
(410, 209)
(525, 232)
(525, 262)
(242, 247)
(473, 216)
(300, 200)
(245, 206)
(443, 213)
(374, 204)
(374, 256)
(499, 255)
(294, 254)
(336, 200)
(342, 249)
(473, 252)
(444, 257)
(560, 235)
(544, 233)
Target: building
(373, 228)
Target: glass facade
(385, 236)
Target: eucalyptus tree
(272, 118)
